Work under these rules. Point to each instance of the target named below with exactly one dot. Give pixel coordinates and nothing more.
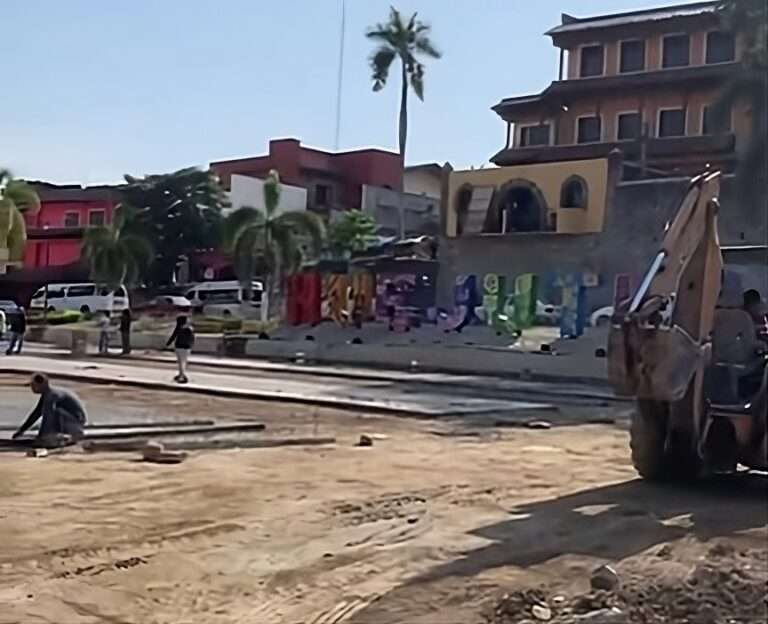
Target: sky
(93, 90)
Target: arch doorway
(521, 208)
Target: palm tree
(750, 18)
(270, 244)
(16, 198)
(117, 254)
(407, 41)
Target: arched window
(574, 193)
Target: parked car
(601, 317)
(223, 298)
(166, 305)
(85, 298)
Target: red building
(333, 180)
(54, 234)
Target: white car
(85, 298)
(601, 317)
(223, 298)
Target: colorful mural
(466, 299)
(303, 299)
(347, 298)
(574, 305)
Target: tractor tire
(647, 439)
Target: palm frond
(23, 195)
(138, 249)
(272, 192)
(380, 62)
(17, 236)
(306, 223)
(424, 45)
(417, 80)
(243, 217)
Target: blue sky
(99, 89)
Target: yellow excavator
(689, 352)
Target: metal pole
(341, 74)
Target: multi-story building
(333, 180)
(54, 233)
(644, 82)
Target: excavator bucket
(658, 344)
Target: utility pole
(340, 81)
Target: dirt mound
(725, 588)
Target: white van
(85, 298)
(223, 298)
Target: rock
(37, 452)
(541, 612)
(604, 616)
(605, 578)
(538, 424)
(365, 441)
(156, 453)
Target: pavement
(361, 394)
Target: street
(433, 523)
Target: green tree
(406, 41)
(749, 18)
(16, 198)
(179, 213)
(354, 231)
(117, 254)
(271, 244)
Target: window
(677, 51)
(96, 218)
(81, 291)
(672, 123)
(591, 61)
(534, 135)
(71, 219)
(721, 47)
(711, 125)
(55, 293)
(632, 56)
(322, 194)
(223, 296)
(628, 126)
(573, 193)
(588, 130)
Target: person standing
(63, 414)
(182, 339)
(104, 333)
(18, 327)
(125, 330)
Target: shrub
(64, 317)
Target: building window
(628, 126)
(592, 61)
(96, 218)
(711, 125)
(677, 51)
(534, 135)
(588, 130)
(721, 47)
(71, 219)
(322, 194)
(573, 193)
(672, 123)
(632, 56)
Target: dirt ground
(435, 523)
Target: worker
(62, 412)
(754, 306)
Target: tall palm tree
(16, 198)
(406, 41)
(268, 243)
(117, 254)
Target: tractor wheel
(648, 435)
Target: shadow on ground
(612, 522)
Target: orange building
(643, 81)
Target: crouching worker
(62, 412)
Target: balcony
(722, 145)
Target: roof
(573, 24)
(432, 168)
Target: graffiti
(466, 299)
(526, 296)
(347, 298)
(574, 305)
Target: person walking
(63, 415)
(104, 333)
(125, 330)
(18, 327)
(182, 339)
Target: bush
(213, 325)
(64, 317)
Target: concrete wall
(421, 214)
(421, 182)
(247, 191)
(549, 178)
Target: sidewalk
(351, 394)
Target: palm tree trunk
(403, 126)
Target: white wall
(248, 191)
(420, 182)
(421, 214)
